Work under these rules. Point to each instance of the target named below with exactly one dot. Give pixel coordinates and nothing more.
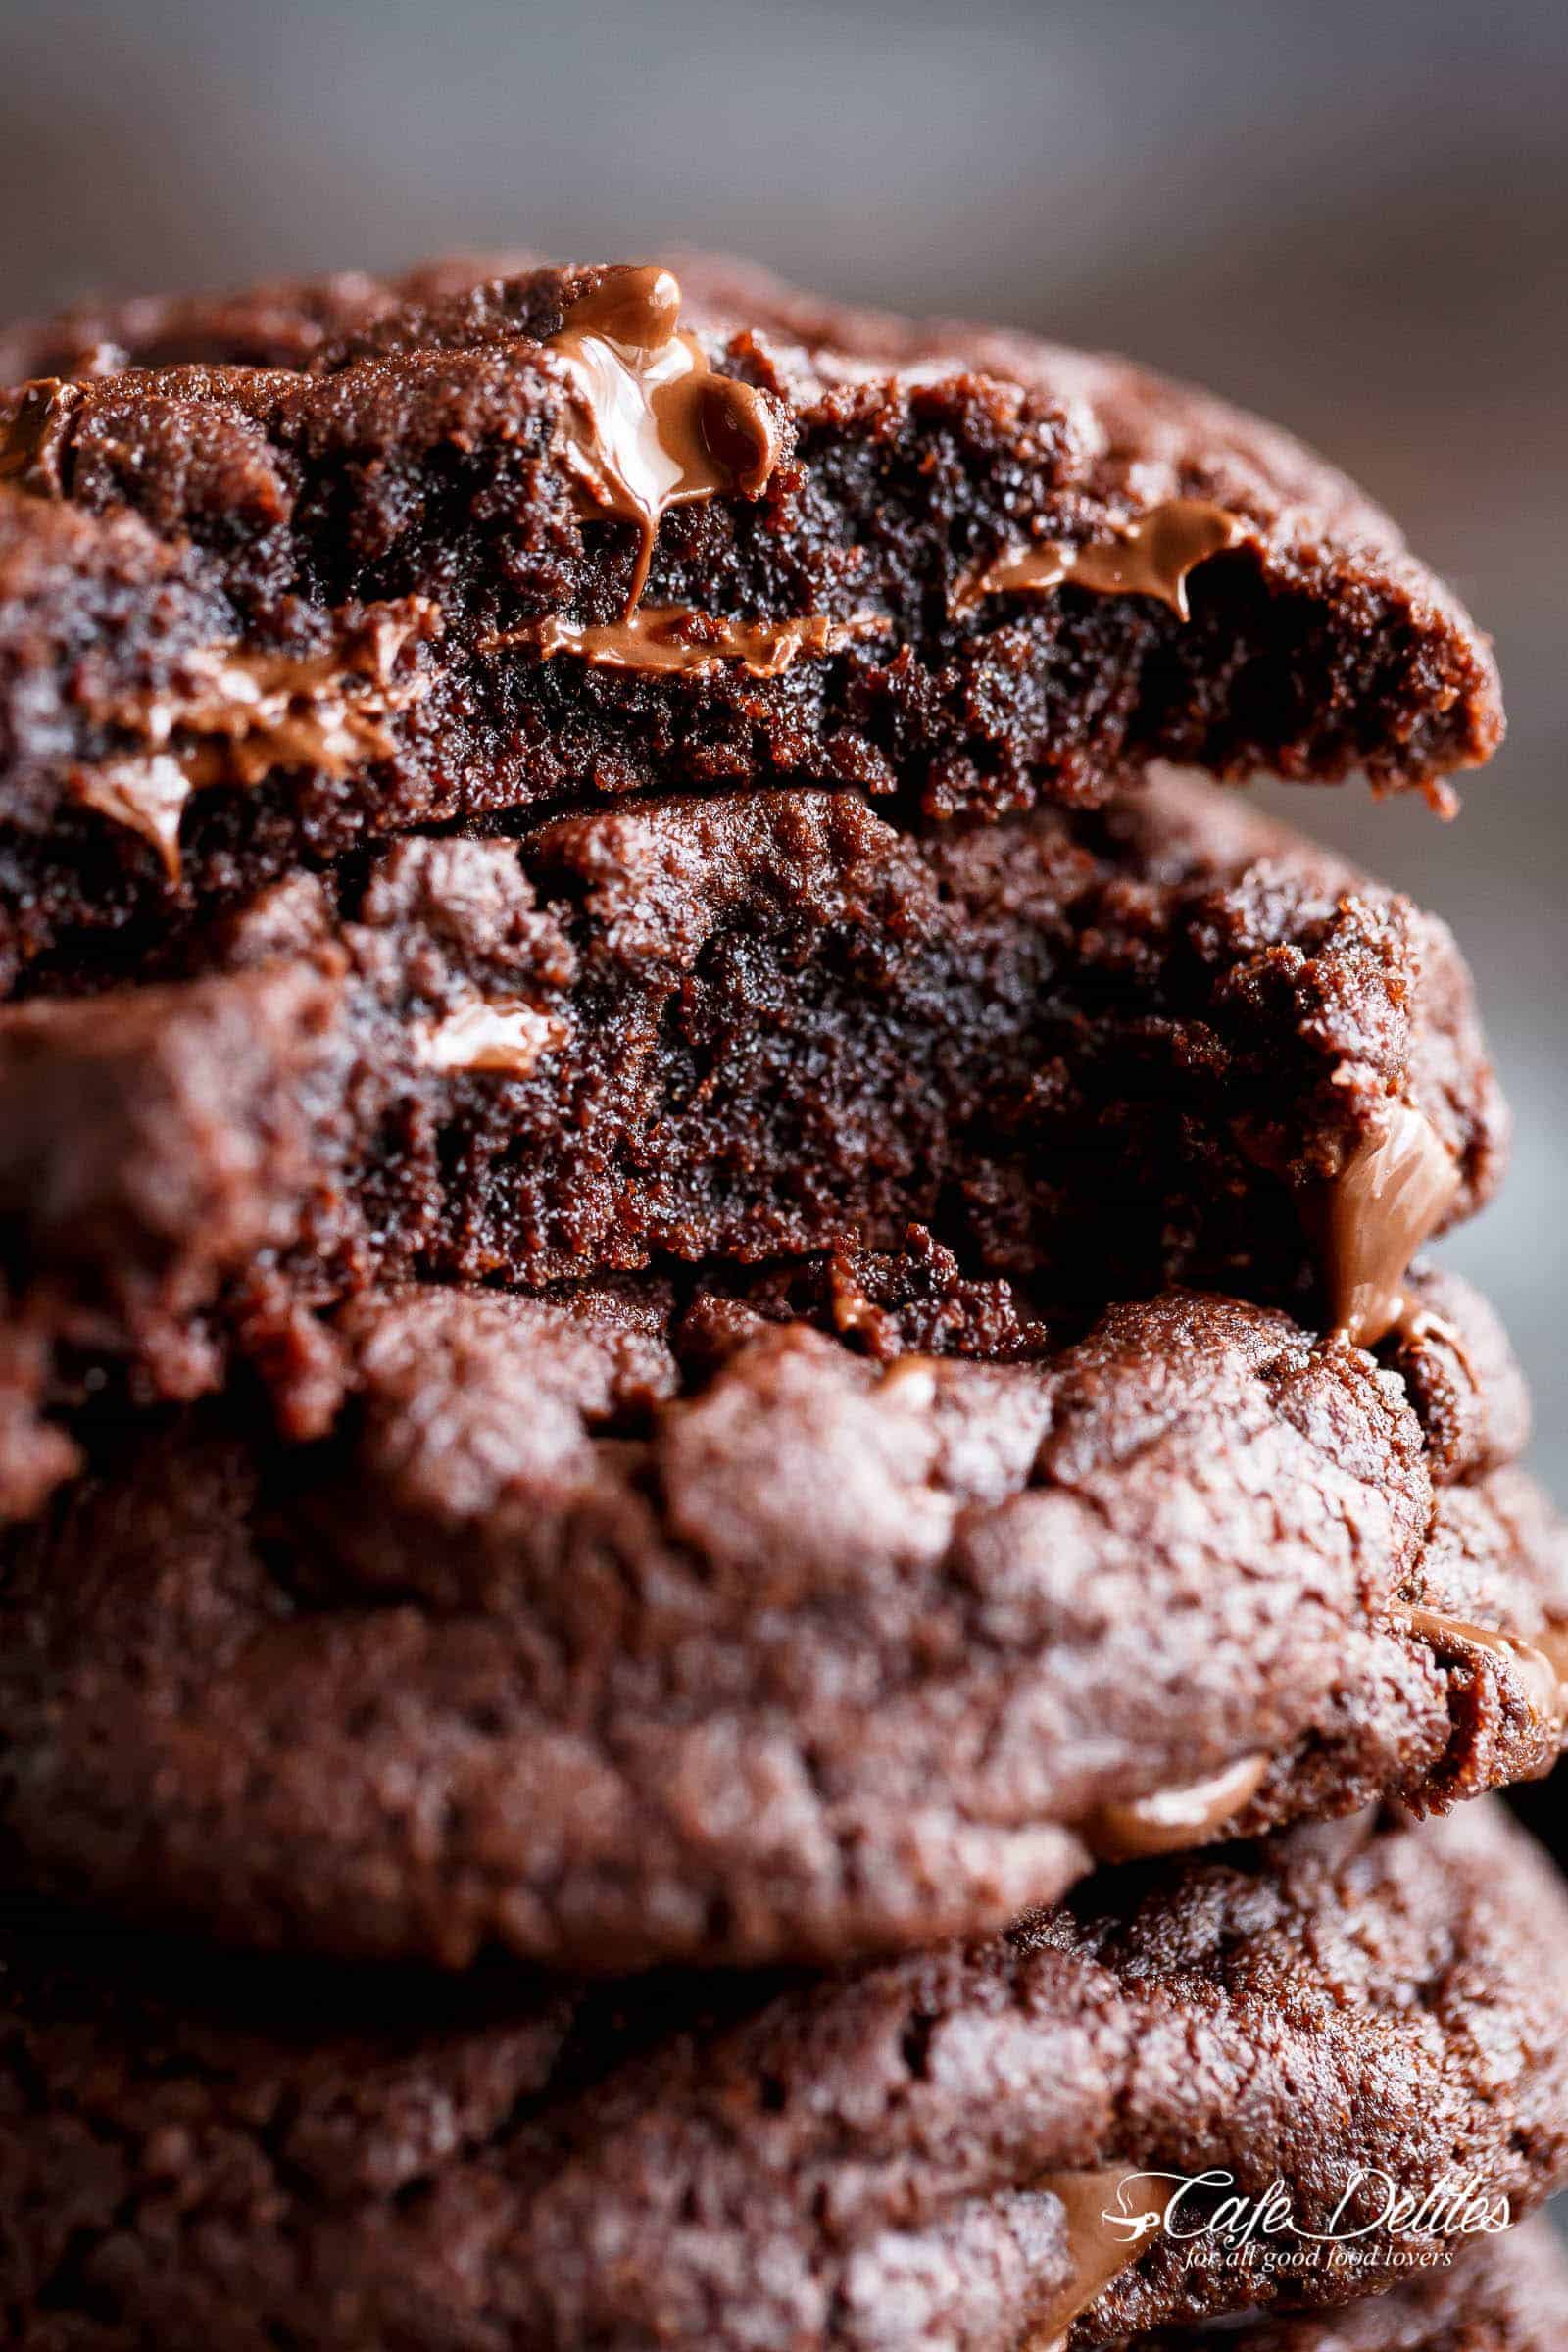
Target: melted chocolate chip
(1098, 2251)
(670, 638)
(146, 794)
(232, 718)
(652, 425)
(1541, 1666)
(1370, 1220)
(34, 440)
(505, 1036)
(1152, 556)
(1169, 1819)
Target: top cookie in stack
(577, 532)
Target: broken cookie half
(472, 547)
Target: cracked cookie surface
(783, 1617)
(212, 2154)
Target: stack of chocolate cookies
(748, 1575)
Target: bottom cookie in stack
(976, 2146)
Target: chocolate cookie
(539, 537)
(218, 2158)
(1099, 1052)
(817, 1615)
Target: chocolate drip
(652, 423)
(232, 718)
(147, 796)
(1169, 1819)
(1541, 1670)
(672, 638)
(1151, 557)
(1370, 1220)
(1098, 2253)
(501, 1034)
(35, 436)
(1415, 1323)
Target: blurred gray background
(1353, 216)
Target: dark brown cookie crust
(618, 1626)
(1098, 1051)
(227, 2157)
(409, 477)
(283, 322)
